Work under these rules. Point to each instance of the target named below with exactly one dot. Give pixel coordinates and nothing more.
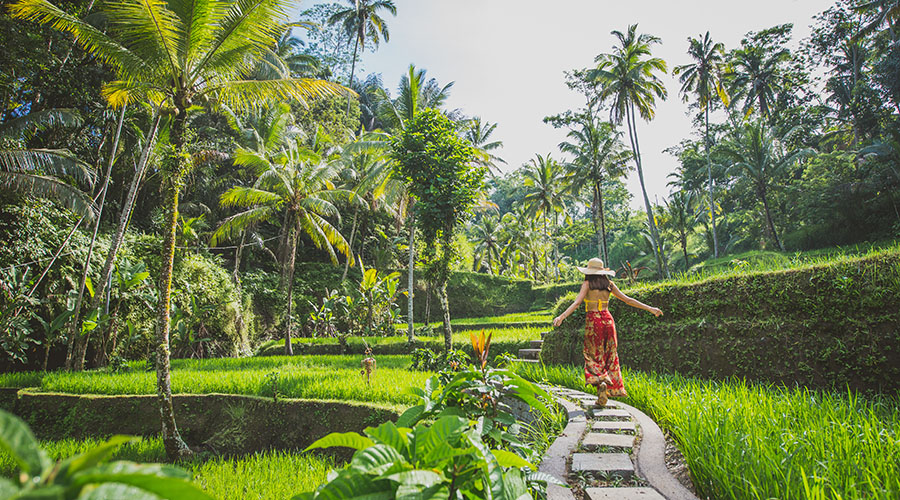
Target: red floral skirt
(601, 361)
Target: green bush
(822, 325)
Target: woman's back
(597, 300)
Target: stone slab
(612, 425)
(615, 413)
(530, 353)
(595, 440)
(592, 406)
(623, 494)
(612, 464)
(554, 460)
(535, 344)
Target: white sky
(507, 58)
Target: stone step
(589, 404)
(520, 360)
(596, 440)
(530, 353)
(605, 464)
(535, 344)
(608, 414)
(612, 425)
(623, 494)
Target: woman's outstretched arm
(634, 302)
(581, 295)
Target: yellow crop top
(600, 303)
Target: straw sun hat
(595, 267)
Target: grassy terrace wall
(221, 423)
(828, 325)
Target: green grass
(311, 377)
(769, 442)
(760, 262)
(21, 379)
(543, 316)
(270, 475)
(460, 339)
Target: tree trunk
(236, 274)
(352, 235)
(602, 224)
(684, 250)
(125, 218)
(175, 446)
(712, 203)
(445, 309)
(762, 194)
(352, 70)
(428, 302)
(288, 287)
(75, 330)
(654, 236)
(410, 331)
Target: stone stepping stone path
(616, 447)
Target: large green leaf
(351, 485)
(376, 459)
(411, 416)
(346, 439)
(388, 434)
(17, 439)
(415, 492)
(48, 493)
(509, 459)
(164, 481)
(116, 491)
(7, 488)
(424, 478)
(93, 456)
(543, 477)
(493, 473)
(445, 430)
(514, 487)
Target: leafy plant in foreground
(84, 475)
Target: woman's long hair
(598, 282)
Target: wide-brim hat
(595, 267)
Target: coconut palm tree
(757, 78)
(295, 190)
(682, 217)
(700, 78)
(761, 158)
(545, 194)
(42, 172)
(178, 54)
(486, 235)
(599, 155)
(881, 13)
(628, 78)
(362, 20)
(478, 133)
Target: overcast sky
(507, 58)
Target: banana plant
(86, 475)
(378, 293)
(445, 460)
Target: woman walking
(601, 361)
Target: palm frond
(234, 225)
(241, 196)
(49, 187)
(56, 162)
(250, 94)
(18, 128)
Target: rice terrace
(378, 249)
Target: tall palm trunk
(352, 70)
(352, 236)
(287, 283)
(635, 147)
(445, 310)
(175, 446)
(75, 360)
(765, 200)
(410, 283)
(124, 219)
(598, 193)
(712, 203)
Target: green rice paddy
(769, 442)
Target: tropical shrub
(85, 475)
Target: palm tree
(362, 20)
(881, 12)
(761, 158)
(178, 54)
(41, 172)
(682, 217)
(478, 133)
(628, 76)
(756, 77)
(545, 193)
(701, 77)
(294, 189)
(599, 155)
(486, 236)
